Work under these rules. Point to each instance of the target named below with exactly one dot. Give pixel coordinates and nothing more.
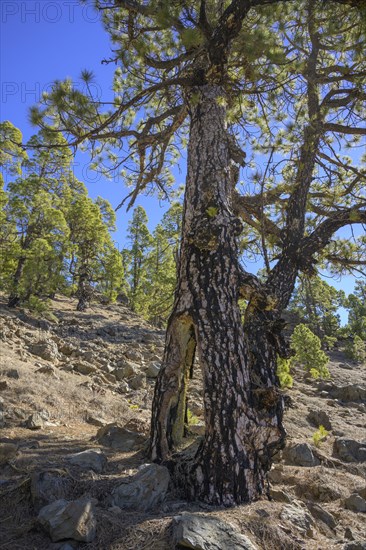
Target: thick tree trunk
(232, 461)
(84, 292)
(14, 297)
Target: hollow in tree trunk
(241, 429)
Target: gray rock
(91, 459)
(300, 454)
(279, 496)
(48, 370)
(352, 392)
(69, 520)
(319, 418)
(153, 370)
(350, 450)
(35, 422)
(125, 370)
(356, 503)
(85, 368)
(4, 385)
(95, 420)
(144, 490)
(357, 545)
(201, 532)
(118, 437)
(299, 518)
(12, 373)
(46, 349)
(319, 513)
(134, 355)
(66, 348)
(138, 382)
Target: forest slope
(62, 379)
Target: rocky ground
(75, 399)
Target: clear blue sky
(44, 40)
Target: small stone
(69, 520)
(138, 382)
(118, 437)
(125, 369)
(3, 385)
(300, 454)
(143, 491)
(12, 373)
(348, 534)
(279, 496)
(48, 370)
(153, 370)
(93, 459)
(85, 368)
(35, 422)
(355, 503)
(319, 418)
(95, 420)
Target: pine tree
(279, 79)
(140, 241)
(315, 302)
(89, 224)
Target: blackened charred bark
(231, 464)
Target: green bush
(308, 352)
(357, 349)
(283, 372)
(329, 341)
(38, 306)
(319, 436)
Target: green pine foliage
(319, 436)
(356, 349)
(283, 372)
(308, 352)
(53, 235)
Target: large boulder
(300, 454)
(118, 437)
(200, 532)
(144, 490)
(69, 520)
(350, 450)
(91, 459)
